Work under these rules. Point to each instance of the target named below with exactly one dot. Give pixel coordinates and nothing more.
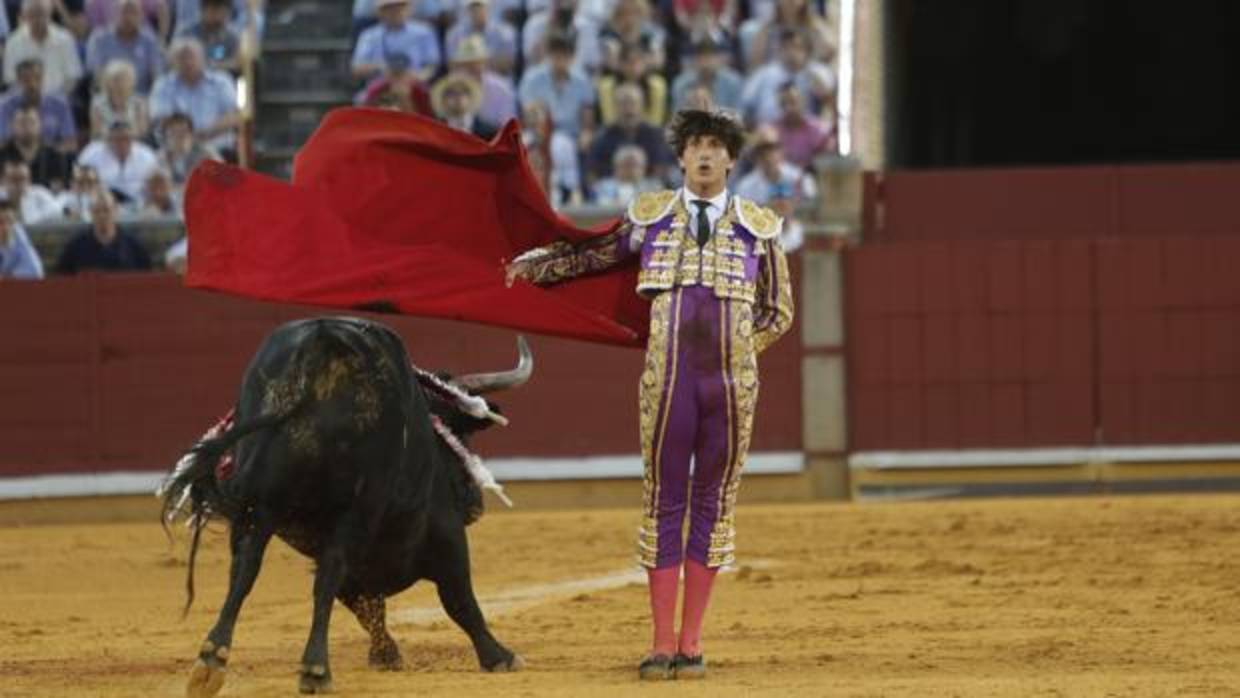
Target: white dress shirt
(718, 204)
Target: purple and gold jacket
(743, 260)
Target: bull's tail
(191, 489)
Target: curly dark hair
(688, 124)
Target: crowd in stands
(594, 83)
(107, 106)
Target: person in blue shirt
(18, 258)
(396, 34)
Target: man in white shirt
(123, 164)
(37, 37)
(32, 202)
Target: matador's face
(706, 163)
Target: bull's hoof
(504, 666)
(315, 678)
(387, 658)
(204, 680)
(207, 676)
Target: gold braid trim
(774, 297)
(562, 260)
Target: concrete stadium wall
(121, 373)
(1033, 308)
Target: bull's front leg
(247, 542)
(450, 550)
(371, 612)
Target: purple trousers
(697, 397)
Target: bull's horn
(479, 383)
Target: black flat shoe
(656, 667)
(686, 667)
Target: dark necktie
(703, 222)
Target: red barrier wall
(1023, 308)
(102, 373)
(1054, 203)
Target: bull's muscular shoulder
(759, 220)
(648, 207)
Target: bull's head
(480, 413)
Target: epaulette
(650, 206)
(760, 220)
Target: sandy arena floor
(1070, 597)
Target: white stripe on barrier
(505, 470)
(1049, 457)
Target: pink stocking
(698, 580)
(664, 584)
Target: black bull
(335, 453)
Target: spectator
(105, 247)
(629, 129)
(54, 47)
(778, 184)
(189, 12)
(802, 135)
(181, 151)
(815, 80)
(32, 202)
(364, 17)
(220, 40)
(116, 101)
(771, 176)
(709, 66)
(396, 33)
(18, 258)
(85, 184)
(456, 98)
(399, 85)
(154, 15)
(628, 178)
(55, 116)
(208, 97)
(72, 16)
(159, 199)
(553, 155)
(759, 36)
(122, 163)
(48, 167)
(129, 41)
(634, 71)
(566, 19)
(499, 100)
(499, 38)
(630, 25)
(567, 92)
(176, 258)
(700, 97)
(697, 17)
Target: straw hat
(456, 81)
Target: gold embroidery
(651, 398)
(651, 206)
(743, 390)
(778, 319)
(761, 221)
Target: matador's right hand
(518, 269)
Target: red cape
(399, 213)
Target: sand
(1136, 596)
